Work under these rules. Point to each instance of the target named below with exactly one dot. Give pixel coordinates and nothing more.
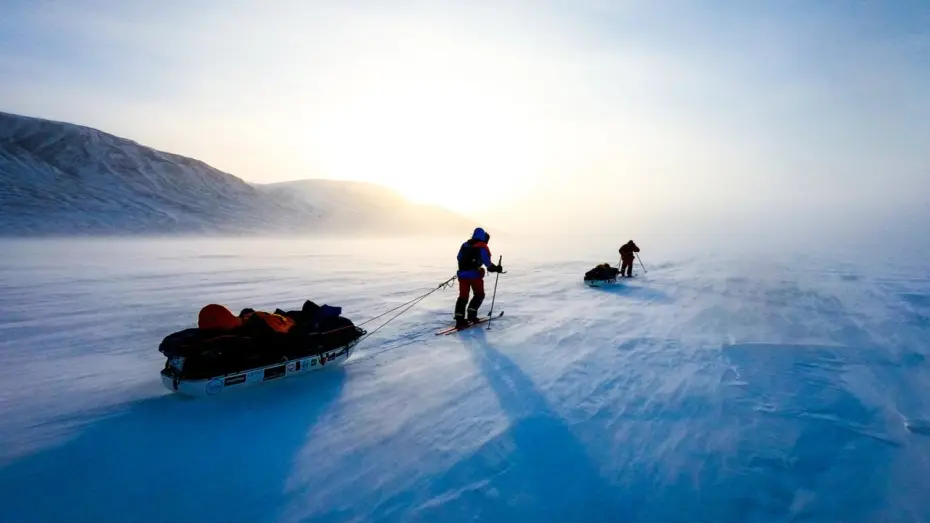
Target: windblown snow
(708, 389)
(59, 179)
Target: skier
(472, 255)
(627, 254)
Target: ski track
(764, 391)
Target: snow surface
(723, 390)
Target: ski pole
(641, 264)
(493, 296)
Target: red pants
(476, 285)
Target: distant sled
(601, 275)
(254, 348)
(601, 283)
(612, 282)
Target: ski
(453, 330)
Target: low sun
(438, 137)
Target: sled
(600, 283)
(608, 282)
(295, 367)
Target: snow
(727, 388)
(63, 179)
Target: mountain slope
(348, 205)
(60, 178)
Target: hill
(58, 178)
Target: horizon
(640, 116)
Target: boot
(476, 302)
(460, 320)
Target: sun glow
(439, 127)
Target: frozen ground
(709, 389)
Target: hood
(480, 235)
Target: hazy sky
(522, 113)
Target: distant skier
(627, 255)
(472, 255)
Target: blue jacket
(473, 254)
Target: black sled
(204, 362)
(601, 275)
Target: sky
(531, 115)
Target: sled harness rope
(405, 306)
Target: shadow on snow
(536, 470)
(634, 291)
(170, 458)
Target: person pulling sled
(473, 256)
(627, 255)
